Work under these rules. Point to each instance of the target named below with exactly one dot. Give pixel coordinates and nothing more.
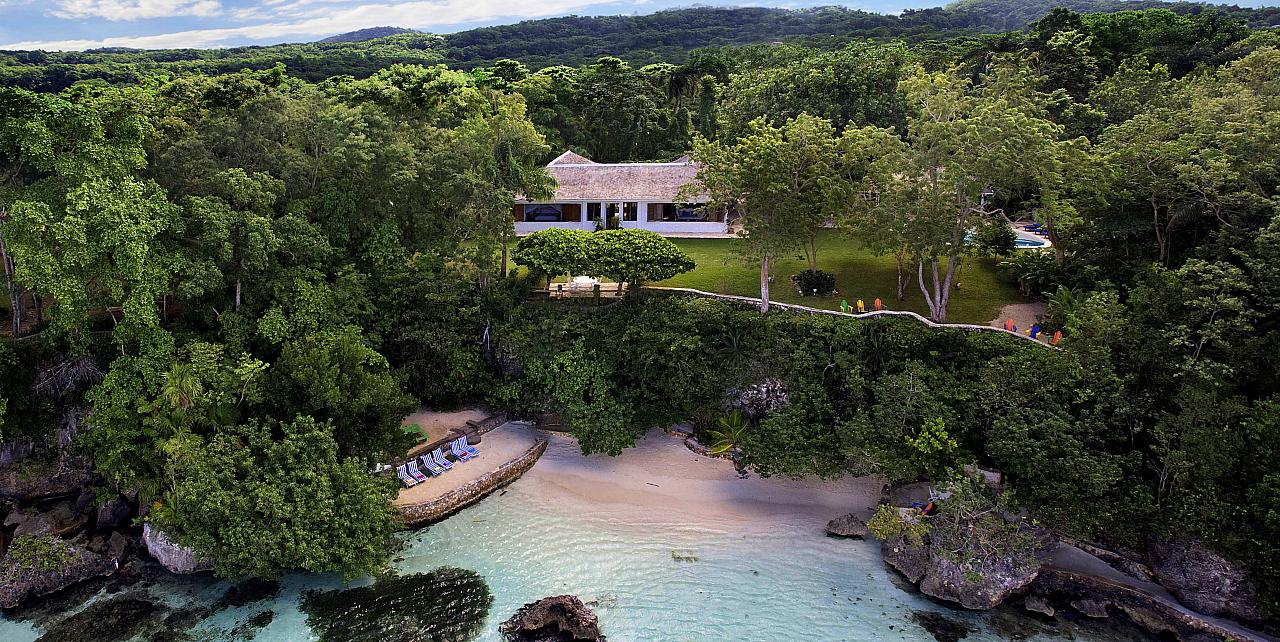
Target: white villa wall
(661, 227)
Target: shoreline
(660, 474)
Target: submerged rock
(178, 559)
(446, 605)
(1204, 580)
(119, 618)
(561, 618)
(247, 592)
(847, 526)
(941, 627)
(20, 582)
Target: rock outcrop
(909, 559)
(1204, 580)
(27, 483)
(175, 558)
(847, 526)
(21, 582)
(114, 513)
(562, 618)
(968, 578)
(61, 520)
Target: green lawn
(859, 274)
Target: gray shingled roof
(581, 179)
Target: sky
(164, 24)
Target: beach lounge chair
(466, 445)
(413, 470)
(441, 459)
(458, 451)
(431, 465)
(403, 474)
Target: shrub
(995, 238)
(554, 251)
(814, 283)
(635, 257)
(43, 553)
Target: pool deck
(506, 452)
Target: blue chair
(432, 466)
(458, 451)
(441, 459)
(466, 445)
(403, 474)
(413, 470)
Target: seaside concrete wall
(440, 507)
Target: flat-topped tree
(634, 257)
(554, 251)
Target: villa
(593, 196)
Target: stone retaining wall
(440, 507)
(965, 327)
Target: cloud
(296, 19)
(133, 9)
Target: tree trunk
(13, 288)
(1059, 254)
(237, 308)
(900, 258)
(941, 286)
(502, 269)
(811, 253)
(1162, 241)
(764, 283)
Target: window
(543, 214)
(630, 210)
(593, 212)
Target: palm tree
(733, 427)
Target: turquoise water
(648, 575)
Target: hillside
(372, 33)
(665, 36)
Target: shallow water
(648, 575)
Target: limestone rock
(847, 526)
(1090, 607)
(1037, 604)
(60, 520)
(981, 583)
(1204, 580)
(941, 627)
(20, 582)
(65, 477)
(909, 559)
(562, 618)
(114, 513)
(175, 558)
(995, 580)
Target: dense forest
(231, 287)
(663, 37)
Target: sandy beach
(436, 423)
(661, 478)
